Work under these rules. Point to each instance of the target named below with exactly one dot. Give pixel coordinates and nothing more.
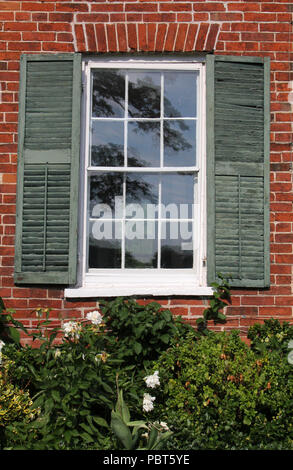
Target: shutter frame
(67, 276)
(263, 280)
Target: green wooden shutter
(238, 169)
(48, 169)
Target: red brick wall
(262, 28)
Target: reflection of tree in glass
(144, 98)
(109, 87)
(105, 187)
(113, 155)
(107, 155)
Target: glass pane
(141, 244)
(177, 196)
(180, 94)
(106, 195)
(107, 146)
(142, 195)
(143, 144)
(108, 93)
(105, 244)
(176, 245)
(180, 143)
(144, 94)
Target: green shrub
(271, 336)
(219, 394)
(74, 387)
(138, 334)
(74, 384)
(15, 404)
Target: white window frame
(154, 282)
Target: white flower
(164, 425)
(148, 402)
(95, 317)
(71, 329)
(57, 353)
(152, 380)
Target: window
(151, 181)
(144, 187)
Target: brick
(91, 38)
(151, 34)
(14, 6)
(175, 6)
(65, 17)
(101, 37)
(132, 36)
(37, 36)
(10, 26)
(80, 37)
(276, 311)
(111, 36)
(57, 47)
(37, 6)
(211, 6)
(107, 7)
(55, 27)
(141, 7)
(211, 38)
(201, 37)
(244, 6)
(87, 18)
(160, 39)
(142, 37)
(191, 36)
(181, 36)
(71, 7)
(170, 38)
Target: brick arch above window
(141, 37)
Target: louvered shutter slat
(46, 238)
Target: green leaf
(121, 430)
(14, 333)
(86, 428)
(138, 424)
(100, 421)
(137, 347)
(55, 395)
(86, 437)
(152, 438)
(247, 420)
(165, 338)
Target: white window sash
(112, 282)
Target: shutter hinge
(204, 262)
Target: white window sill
(114, 290)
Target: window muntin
(144, 154)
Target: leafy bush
(219, 394)
(74, 384)
(271, 336)
(74, 387)
(138, 334)
(15, 404)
